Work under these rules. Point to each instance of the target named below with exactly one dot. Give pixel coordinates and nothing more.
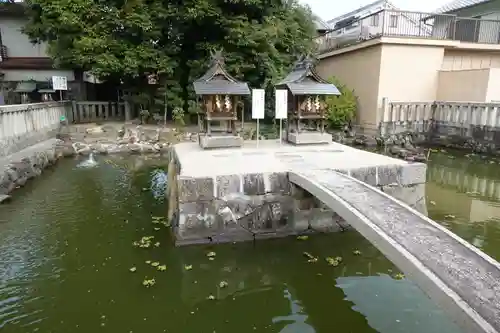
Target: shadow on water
(66, 260)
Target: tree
(125, 40)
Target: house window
(393, 21)
(374, 20)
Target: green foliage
(125, 41)
(341, 109)
(178, 117)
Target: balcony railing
(395, 23)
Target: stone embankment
(18, 168)
(404, 146)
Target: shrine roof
(304, 80)
(217, 81)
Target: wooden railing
(455, 117)
(92, 111)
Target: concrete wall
(359, 70)
(413, 70)
(399, 72)
(453, 87)
(37, 75)
(470, 59)
(18, 44)
(24, 125)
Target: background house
(25, 68)
(447, 61)
(370, 21)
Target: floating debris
(310, 257)
(223, 284)
(188, 267)
(302, 237)
(148, 282)
(399, 276)
(132, 269)
(162, 268)
(356, 252)
(144, 242)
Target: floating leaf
(433, 203)
(399, 276)
(211, 297)
(449, 216)
(223, 284)
(303, 237)
(148, 262)
(332, 261)
(188, 267)
(211, 254)
(132, 269)
(162, 268)
(155, 264)
(310, 257)
(211, 258)
(148, 282)
(156, 229)
(157, 244)
(356, 252)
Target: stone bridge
(458, 276)
(271, 191)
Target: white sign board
(281, 98)
(258, 98)
(59, 83)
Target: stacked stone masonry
(229, 208)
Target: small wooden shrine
(307, 110)
(220, 96)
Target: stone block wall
(244, 207)
(24, 125)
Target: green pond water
(66, 253)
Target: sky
(328, 9)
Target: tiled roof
(219, 87)
(27, 63)
(303, 80)
(458, 4)
(216, 81)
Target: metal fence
(397, 23)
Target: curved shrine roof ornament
(304, 80)
(217, 81)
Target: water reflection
(463, 194)
(66, 253)
(296, 320)
(394, 306)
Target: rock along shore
(18, 168)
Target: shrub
(342, 108)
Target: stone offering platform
(244, 193)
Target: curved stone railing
(460, 278)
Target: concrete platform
(220, 141)
(269, 156)
(244, 193)
(307, 138)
